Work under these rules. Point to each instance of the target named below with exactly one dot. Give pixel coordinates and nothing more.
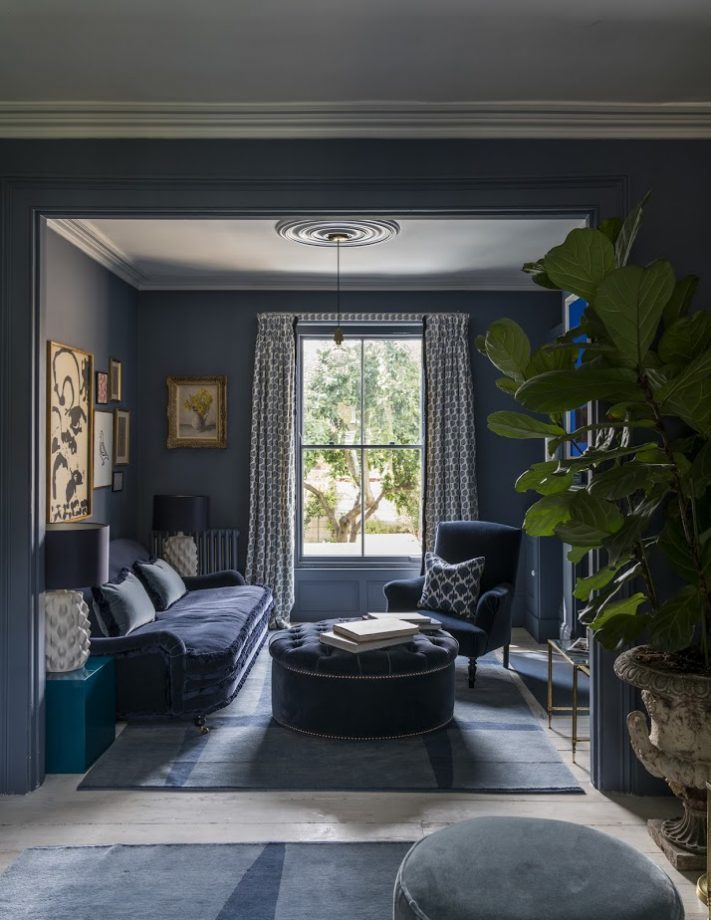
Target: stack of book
(376, 631)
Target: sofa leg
(506, 655)
(472, 671)
(200, 723)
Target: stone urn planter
(676, 747)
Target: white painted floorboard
(56, 814)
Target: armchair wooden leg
(472, 671)
(506, 655)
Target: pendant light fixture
(338, 238)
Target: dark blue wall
(87, 306)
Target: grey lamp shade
(187, 513)
(76, 555)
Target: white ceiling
(318, 66)
(427, 254)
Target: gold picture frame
(115, 380)
(197, 411)
(70, 433)
(122, 437)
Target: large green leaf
(685, 339)
(630, 302)
(620, 481)
(507, 385)
(620, 622)
(591, 521)
(680, 300)
(545, 478)
(546, 514)
(689, 394)
(508, 347)
(700, 472)
(580, 263)
(537, 272)
(560, 391)
(518, 425)
(550, 358)
(628, 232)
(611, 228)
(672, 625)
(585, 586)
(673, 544)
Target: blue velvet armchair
(491, 627)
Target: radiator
(218, 548)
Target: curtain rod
(362, 318)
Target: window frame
(321, 331)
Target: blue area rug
(494, 744)
(274, 881)
(533, 669)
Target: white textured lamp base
(67, 630)
(180, 551)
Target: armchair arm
(224, 579)
(493, 615)
(403, 594)
(138, 644)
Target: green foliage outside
(332, 403)
(646, 503)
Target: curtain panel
(450, 455)
(270, 548)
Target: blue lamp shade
(76, 555)
(186, 513)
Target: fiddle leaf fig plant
(642, 488)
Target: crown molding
(93, 243)
(356, 119)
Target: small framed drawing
(103, 448)
(117, 481)
(122, 436)
(197, 411)
(115, 380)
(70, 439)
(101, 395)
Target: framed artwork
(70, 445)
(101, 392)
(115, 380)
(117, 481)
(197, 411)
(103, 448)
(122, 435)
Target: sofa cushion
(163, 584)
(122, 606)
(452, 587)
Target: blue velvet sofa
(491, 627)
(195, 656)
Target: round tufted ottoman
(530, 869)
(402, 690)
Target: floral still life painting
(197, 411)
(70, 375)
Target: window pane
(331, 395)
(393, 379)
(331, 503)
(393, 481)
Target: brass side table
(580, 663)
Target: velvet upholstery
(163, 584)
(192, 659)
(405, 689)
(457, 541)
(500, 868)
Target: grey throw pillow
(452, 588)
(163, 584)
(122, 606)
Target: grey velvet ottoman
(530, 869)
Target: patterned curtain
(270, 550)
(450, 464)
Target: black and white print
(452, 588)
(450, 466)
(103, 448)
(70, 375)
(270, 550)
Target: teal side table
(80, 709)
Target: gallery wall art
(103, 448)
(197, 411)
(70, 377)
(122, 436)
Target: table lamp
(75, 556)
(182, 516)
